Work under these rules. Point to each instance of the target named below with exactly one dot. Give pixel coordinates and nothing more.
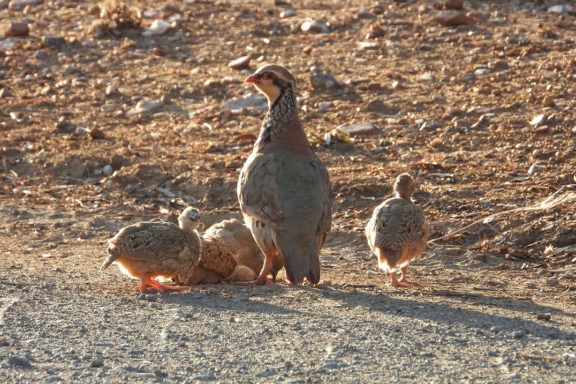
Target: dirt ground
(114, 125)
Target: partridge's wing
(325, 196)
(147, 241)
(258, 190)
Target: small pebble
(538, 120)
(314, 26)
(519, 334)
(96, 133)
(158, 27)
(97, 363)
(452, 18)
(19, 5)
(482, 71)
(54, 41)
(357, 129)
(453, 4)
(160, 374)
(111, 91)
(288, 13)
(18, 29)
(19, 361)
(561, 9)
(426, 77)
(240, 63)
(548, 101)
(323, 80)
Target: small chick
(398, 231)
(237, 236)
(150, 250)
(216, 264)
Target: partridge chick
(150, 250)
(216, 264)
(398, 231)
(237, 236)
(283, 189)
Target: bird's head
(189, 219)
(271, 80)
(404, 186)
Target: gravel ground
(62, 322)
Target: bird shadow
(447, 314)
(499, 302)
(233, 297)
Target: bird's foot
(410, 283)
(145, 288)
(152, 286)
(404, 284)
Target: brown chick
(150, 250)
(216, 264)
(284, 189)
(398, 231)
(237, 236)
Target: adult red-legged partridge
(283, 189)
(398, 231)
(237, 236)
(150, 250)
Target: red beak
(253, 79)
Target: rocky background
(113, 112)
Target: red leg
(403, 278)
(148, 285)
(145, 288)
(398, 283)
(262, 278)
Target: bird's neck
(187, 226)
(282, 122)
(403, 195)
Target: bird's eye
(268, 75)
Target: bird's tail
(112, 257)
(301, 256)
(388, 259)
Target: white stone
(158, 27)
(561, 9)
(482, 71)
(537, 120)
(314, 26)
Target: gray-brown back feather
(153, 240)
